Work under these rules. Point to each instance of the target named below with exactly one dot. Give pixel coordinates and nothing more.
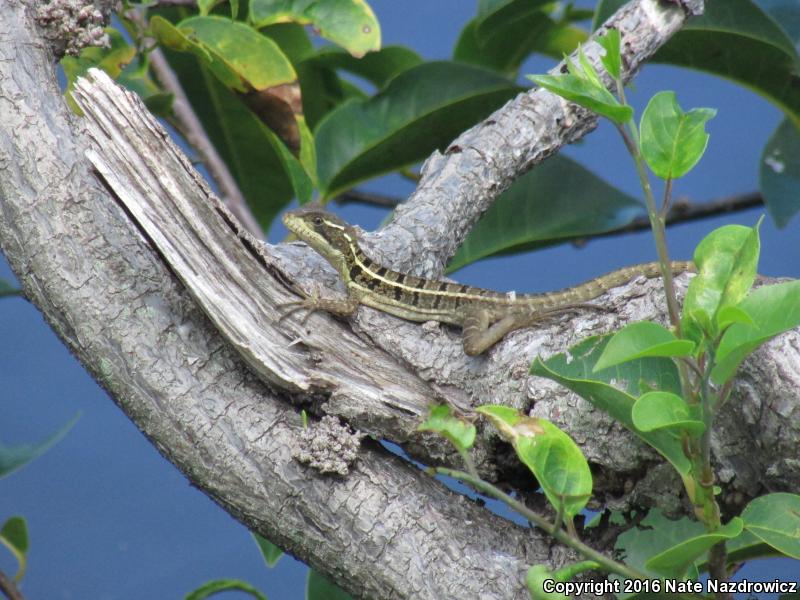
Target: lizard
(485, 316)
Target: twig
(361, 197)
(192, 129)
(9, 588)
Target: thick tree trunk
(385, 530)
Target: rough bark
(385, 530)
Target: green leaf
(15, 457)
(675, 561)
(223, 585)
(242, 58)
(575, 371)
(376, 67)
(111, 60)
(611, 59)
(728, 315)
(726, 261)
(7, 289)
(775, 519)
(508, 32)
(581, 90)
(14, 536)
(319, 588)
(780, 173)
(535, 578)
(672, 141)
(266, 171)
(640, 340)
(556, 201)
(654, 534)
(458, 432)
(555, 460)
(665, 410)
(420, 110)
(349, 23)
(269, 551)
(774, 309)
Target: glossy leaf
(575, 371)
(556, 201)
(780, 173)
(269, 551)
(664, 410)
(672, 141)
(224, 585)
(611, 59)
(555, 460)
(14, 536)
(349, 23)
(420, 110)
(737, 40)
(266, 171)
(675, 561)
(580, 89)
(775, 519)
(376, 67)
(726, 261)
(319, 588)
(503, 36)
(458, 432)
(640, 340)
(774, 309)
(15, 457)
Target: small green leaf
(6, 289)
(675, 561)
(575, 371)
(223, 585)
(269, 551)
(319, 588)
(780, 173)
(15, 457)
(726, 262)
(611, 59)
(535, 578)
(458, 432)
(555, 460)
(775, 519)
(728, 315)
(557, 201)
(14, 536)
(774, 309)
(580, 90)
(672, 141)
(349, 23)
(641, 340)
(664, 410)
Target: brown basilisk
(485, 316)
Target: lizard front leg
(337, 306)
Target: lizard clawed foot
(311, 303)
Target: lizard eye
(317, 220)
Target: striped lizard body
(485, 316)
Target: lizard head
(331, 237)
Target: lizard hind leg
(479, 334)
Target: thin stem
(665, 202)
(717, 557)
(484, 486)
(9, 588)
